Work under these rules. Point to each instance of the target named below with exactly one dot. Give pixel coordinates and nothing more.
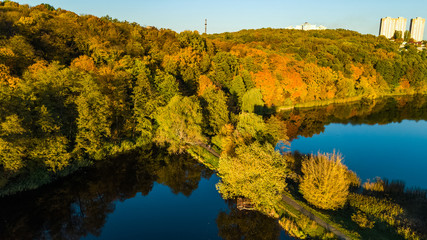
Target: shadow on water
(81, 204)
(78, 205)
(244, 224)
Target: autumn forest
(77, 89)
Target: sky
(233, 15)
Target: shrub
(362, 220)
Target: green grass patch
(328, 218)
(204, 156)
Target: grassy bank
(301, 220)
(290, 219)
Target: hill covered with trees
(74, 89)
(78, 89)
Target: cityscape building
(307, 26)
(388, 26)
(417, 28)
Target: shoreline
(341, 101)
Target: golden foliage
(354, 179)
(362, 220)
(325, 182)
(408, 233)
(256, 172)
(292, 228)
(11, 156)
(37, 67)
(204, 83)
(84, 63)
(380, 208)
(6, 78)
(377, 186)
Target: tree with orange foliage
(6, 78)
(204, 83)
(84, 63)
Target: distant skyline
(233, 15)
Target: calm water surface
(395, 151)
(386, 138)
(144, 196)
(153, 195)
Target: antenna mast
(206, 26)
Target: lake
(384, 138)
(150, 195)
(153, 195)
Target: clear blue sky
(233, 15)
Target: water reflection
(249, 225)
(104, 201)
(384, 138)
(79, 205)
(307, 122)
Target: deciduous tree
(252, 101)
(256, 172)
(214, 103)
(180, 124)
(325, 181)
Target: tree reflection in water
(79, 204)
(245, 224)
(307, 122)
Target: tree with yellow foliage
(255, 172)
(325, 182)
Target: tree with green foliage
(252, 101)
(397, 35)
(193, 40)
(225, 66)
(251, 126)
(12, 148)
(166, 85)
(407, 36)
(275, 130)
(180, 124)
(145, 103)
(51, 148)
(325, 182)
(214, 104)
(94, 121)
(256, 172)
(238, 89)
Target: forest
(76, 89)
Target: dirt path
(319, 221)
(209, 150)
(300, 208)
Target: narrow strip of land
(313, 217)
(298, 207)
(209, 149)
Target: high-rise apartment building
(417, 28)
(389, 26)
(307, 26)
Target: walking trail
(313, 217)
(298, 207)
